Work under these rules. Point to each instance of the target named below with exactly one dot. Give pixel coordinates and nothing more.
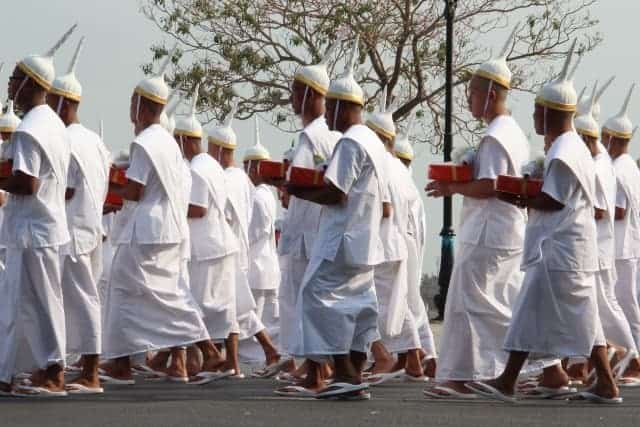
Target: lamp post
(447, 234)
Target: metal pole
(447, 234)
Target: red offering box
(118, 176)
(6, 168)
(528, 187)
(303, 177)
(113, 200)
(272, 170)
(450, 172)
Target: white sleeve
(621, 197)
(345, 165)
(140, 167)
(74, 177)
(491, 160)
(560, 183)
(261, 222)
(199, 191)
(26, 154)
(303, 154)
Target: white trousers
(386, 278)
(148, 305)
(214, 288)
(614, 323)
(337, 309)
(484, 285)
(82, 306)
(32, 324)
(292, 269)
(627, 295)
(556, 314)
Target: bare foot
(430, 368)
(458, 386)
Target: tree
(252, 48)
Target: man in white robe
(397, 327)
(627, 228)
(312, 150)
(486, 277)
(148, 307)
(32, 330)
(416, 241)
(614, 323)
(82, 259)
(556, 313)
(240, 192)
(336, 313)
(213, 248)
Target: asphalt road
(252, 403)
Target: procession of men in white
(189, 279)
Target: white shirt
(88, 176)
(627, 230)
(566, 239)
(155, 218)
(264, 270)
(312, 151)
(501, 223)
(355, 223)
(38, 220)
(605, 200)
(211, 235)
(393, 229)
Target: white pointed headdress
(9, 122)
(403, 148)
(585, 104)
(346, 88)
(258, 151)
(560, 94)
(167, 117)
(382, 120)
(40, 67)
(190, 126)
(620, 125)
(68, 85)
(155, 88)
(497, 69)
(223, 135)
(316, 76)
(585, 124)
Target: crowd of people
(199, 270)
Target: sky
(118, 38)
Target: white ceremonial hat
(497, 69)
(584, 104)
(403, 148)
(167, 117)
(585, 123)
(258, 151)
(559, 94)
(382, 120)
(189, 125)
(620, 125)
(346, 88)
(223, 135)
(40, 67)
(9, 122)
(68, 85)
(316, 76)
(155, 88)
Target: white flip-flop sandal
(541, 392)
(271, 370)
(295, 391)
(205, 377)
(106, 379)
(337, 389)
(628, 382)
(379, 379)
(486, 390)
(589, 397)
(31, 391)
(82, 389)
(448, 394)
